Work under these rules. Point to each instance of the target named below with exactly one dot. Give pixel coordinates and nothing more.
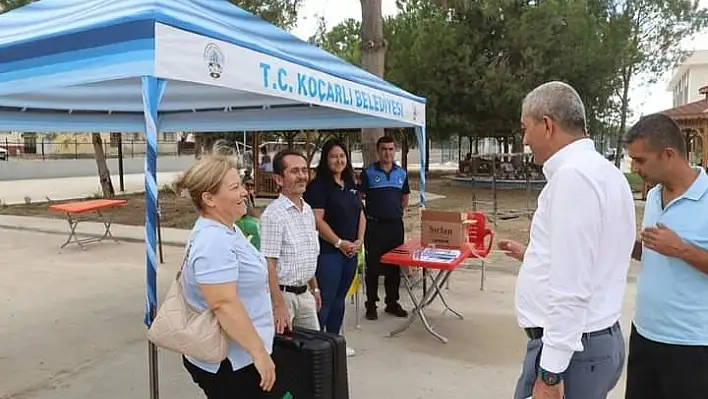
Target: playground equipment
(501, 171)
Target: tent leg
(152, 91)
(420, 137)
(154, 370)
(159, 235)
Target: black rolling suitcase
(310, 365)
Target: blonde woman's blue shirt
(672, 296)
(222, 255)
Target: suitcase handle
(288, 340)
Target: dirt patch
(178, 212)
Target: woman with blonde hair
(225, 273)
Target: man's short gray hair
(558, 101)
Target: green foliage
(474, 61)
(656, 29)
(7, 5)
(634, 179)
(282, 13)
(344, 40)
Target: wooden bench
(72, 209)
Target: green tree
(475, 60)
(343, 40)
(656, 29)
(281, 13)
(7, 5)
(373, 56)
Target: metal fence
(514, 174)
(81, 147)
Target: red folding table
(407, 255)
(72, 209)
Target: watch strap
(549, 378)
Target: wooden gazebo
(693, 119)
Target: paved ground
(40, 190)
(26, 169)
(34, 191)
(38, 181)
(74, 329)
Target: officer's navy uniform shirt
(341, 205)
(384, 190)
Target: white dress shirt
(573, 277)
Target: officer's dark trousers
(381, 237)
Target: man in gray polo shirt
(290, 243)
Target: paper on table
(438, 255)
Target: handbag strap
(190, 241)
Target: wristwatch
(549, 378)
(339, 242)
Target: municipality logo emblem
(214, 60)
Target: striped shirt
(290, 235)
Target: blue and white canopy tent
(179, 65)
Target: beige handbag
(180, 328)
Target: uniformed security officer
(384, 185)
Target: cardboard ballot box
(443, 228)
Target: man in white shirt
(572, 280)
(290, 243)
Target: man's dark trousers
(661, 371)
(381, 237)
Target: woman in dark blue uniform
(341, 225)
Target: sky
(643, 99)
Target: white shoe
(350, 352)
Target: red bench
(72, 209)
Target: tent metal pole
(120, 163)
(154, 369)
(152, 91)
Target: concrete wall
(697, 79)
(688, 78)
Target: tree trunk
(373, 52)
(427, 154)
(404, 150)
(626, 80)
(104, 175)
(310, 146)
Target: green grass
(634, 179)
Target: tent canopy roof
(79, 56)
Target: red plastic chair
(477, 234)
